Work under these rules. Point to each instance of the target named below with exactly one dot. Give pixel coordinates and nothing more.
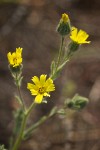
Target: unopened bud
(77, 102)
(64, 27)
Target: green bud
(77, 102)
(72, 47)
(64, 27)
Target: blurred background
(31, 24)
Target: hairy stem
(23, 125)
(60, 52)
(22, 101)
(19, 138)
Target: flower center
(15, 60)
(41, 90)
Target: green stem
(23, 125)
(28, 132)
(18, 141)
(30, 109)
(55, 69)
(19, 92)
(60, 52)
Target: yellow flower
(79, 37)
(64, 18)
(15, 59)
(41, 87)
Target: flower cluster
(41, 87)
(77, 37)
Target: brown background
(31, 24)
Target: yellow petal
(48, 82)
(79, 37)
(46, 94)
(38, 98)
(10, 58)
(35, 79)
(19, 50)
(9, 55)
(33, 92)
(43, 78)
(74, 34)
(65, 18)
(51, 87)
(14, 55)
(19, 61)
(30, 86)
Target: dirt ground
(31, 24)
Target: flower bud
(77, 102)
(72, 47)
(64, 27)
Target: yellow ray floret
(41, 87)
(80, 37)
(15, 59)
(64, 18)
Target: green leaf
(53, 111)
(18, 99)
(18, 119)
(52, 67)
(61, 111)
(63, 64)
(20, 81)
